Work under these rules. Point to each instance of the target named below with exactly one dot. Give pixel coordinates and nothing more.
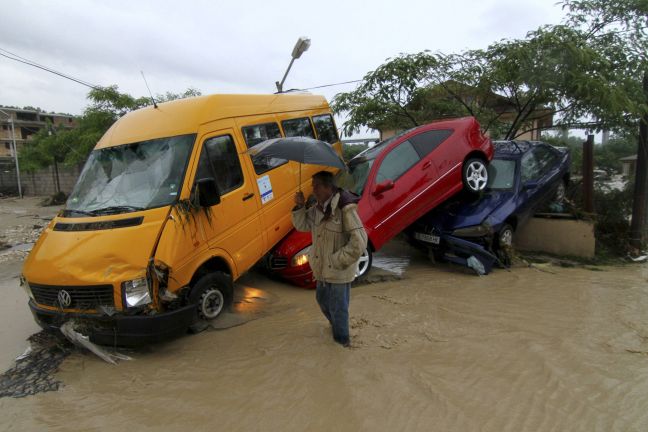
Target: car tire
(435, 255)
(364, 263)
(474, 175)
(561, 192)
(504, 249)
(212, 294)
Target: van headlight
(25, 285)
(473, 231)
(136, 292)
(301, 257)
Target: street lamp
(15, 151)
(303, 43)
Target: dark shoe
(346, 343)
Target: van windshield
(131, 177)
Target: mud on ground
(539, 348)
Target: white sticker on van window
(265, 189)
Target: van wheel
(475, 175)
(212, 294)
(364, 263)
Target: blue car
(523, 177)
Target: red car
(399, 180)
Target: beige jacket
(338, 241)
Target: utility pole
(588, 174)
(15, 152)
(640, 200)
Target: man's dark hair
(325, 178)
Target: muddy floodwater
(532, 349)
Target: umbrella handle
(299, 184)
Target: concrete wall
(557, 236)
(42, 182)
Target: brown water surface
(533, 349)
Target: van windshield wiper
(116, 209)
(81, 212)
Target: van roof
(184, 116)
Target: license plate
(429, 238)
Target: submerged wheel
(560, 193)
(364, 263)
(212, 293)
(505, 244)
(475, 175)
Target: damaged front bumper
(121, 330)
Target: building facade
(26, 123)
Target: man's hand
(299, 199)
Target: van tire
(212, 294)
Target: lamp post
(15, 151)
(302, 45)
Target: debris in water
(25, 354)
(84, 341)
(476, 265)
(33, 372)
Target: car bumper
(301, 276)
(121, 330)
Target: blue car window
(531, 168)
(546, 159)
(501, 174)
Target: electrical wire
(17, 58)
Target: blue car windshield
(501, 174)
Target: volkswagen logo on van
(64, 298)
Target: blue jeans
(333, 299)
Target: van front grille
(80, 297)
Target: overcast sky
(234, 46)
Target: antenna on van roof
(147, 86)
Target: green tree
(554, 71)
(622, 25)
(52, 146)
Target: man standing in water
(339, 239)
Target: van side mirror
(383, 186)
(207, 192)
(530, 185)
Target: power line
(322, 86)
(17, 58)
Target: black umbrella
(299, 149)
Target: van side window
(258, 133)
(325, 128)
(298, 127)
(219, 159)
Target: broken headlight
(301, 257)
(473, 231)
(25, 285)
(136, 292)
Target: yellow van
(168, 212)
